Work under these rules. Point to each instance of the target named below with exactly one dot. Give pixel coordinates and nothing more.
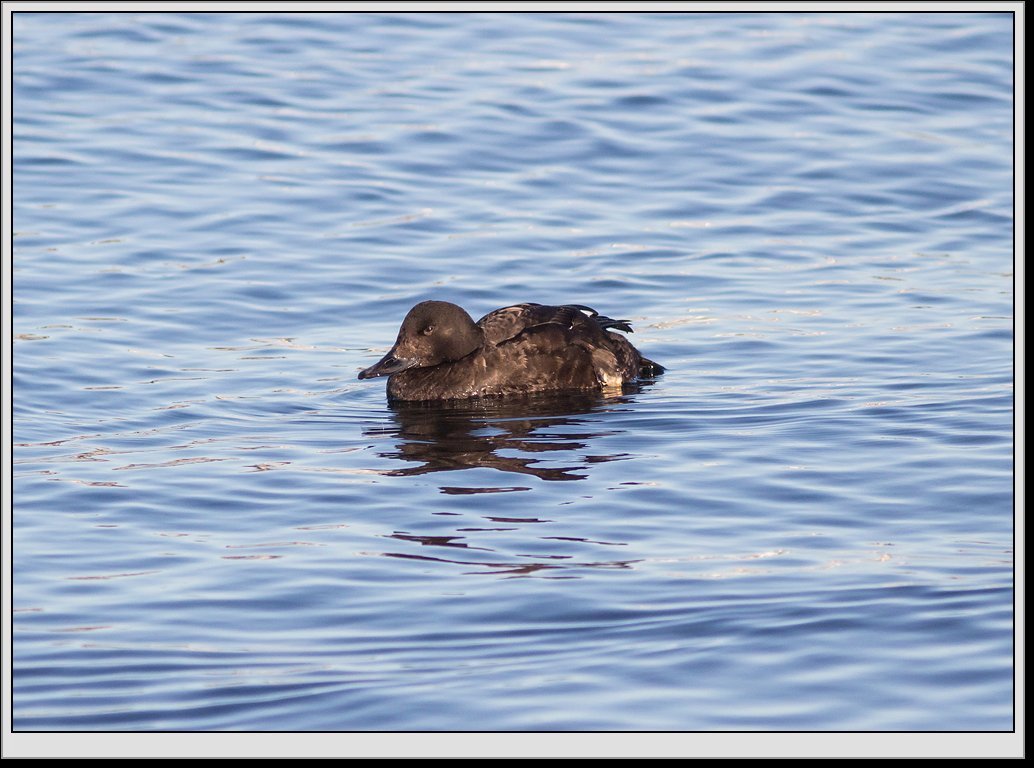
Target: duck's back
(505, 323)
(565, 334)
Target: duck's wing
(508, 322)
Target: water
(805, 525)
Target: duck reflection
(516, 436)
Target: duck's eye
(428, 330)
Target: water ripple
(806, 524)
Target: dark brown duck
(442, 354)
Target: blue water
(805, 524)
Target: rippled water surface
(805, 524)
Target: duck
(442, 354)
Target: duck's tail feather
(650, 368)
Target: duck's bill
(386, 366)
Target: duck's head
(434, 332)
